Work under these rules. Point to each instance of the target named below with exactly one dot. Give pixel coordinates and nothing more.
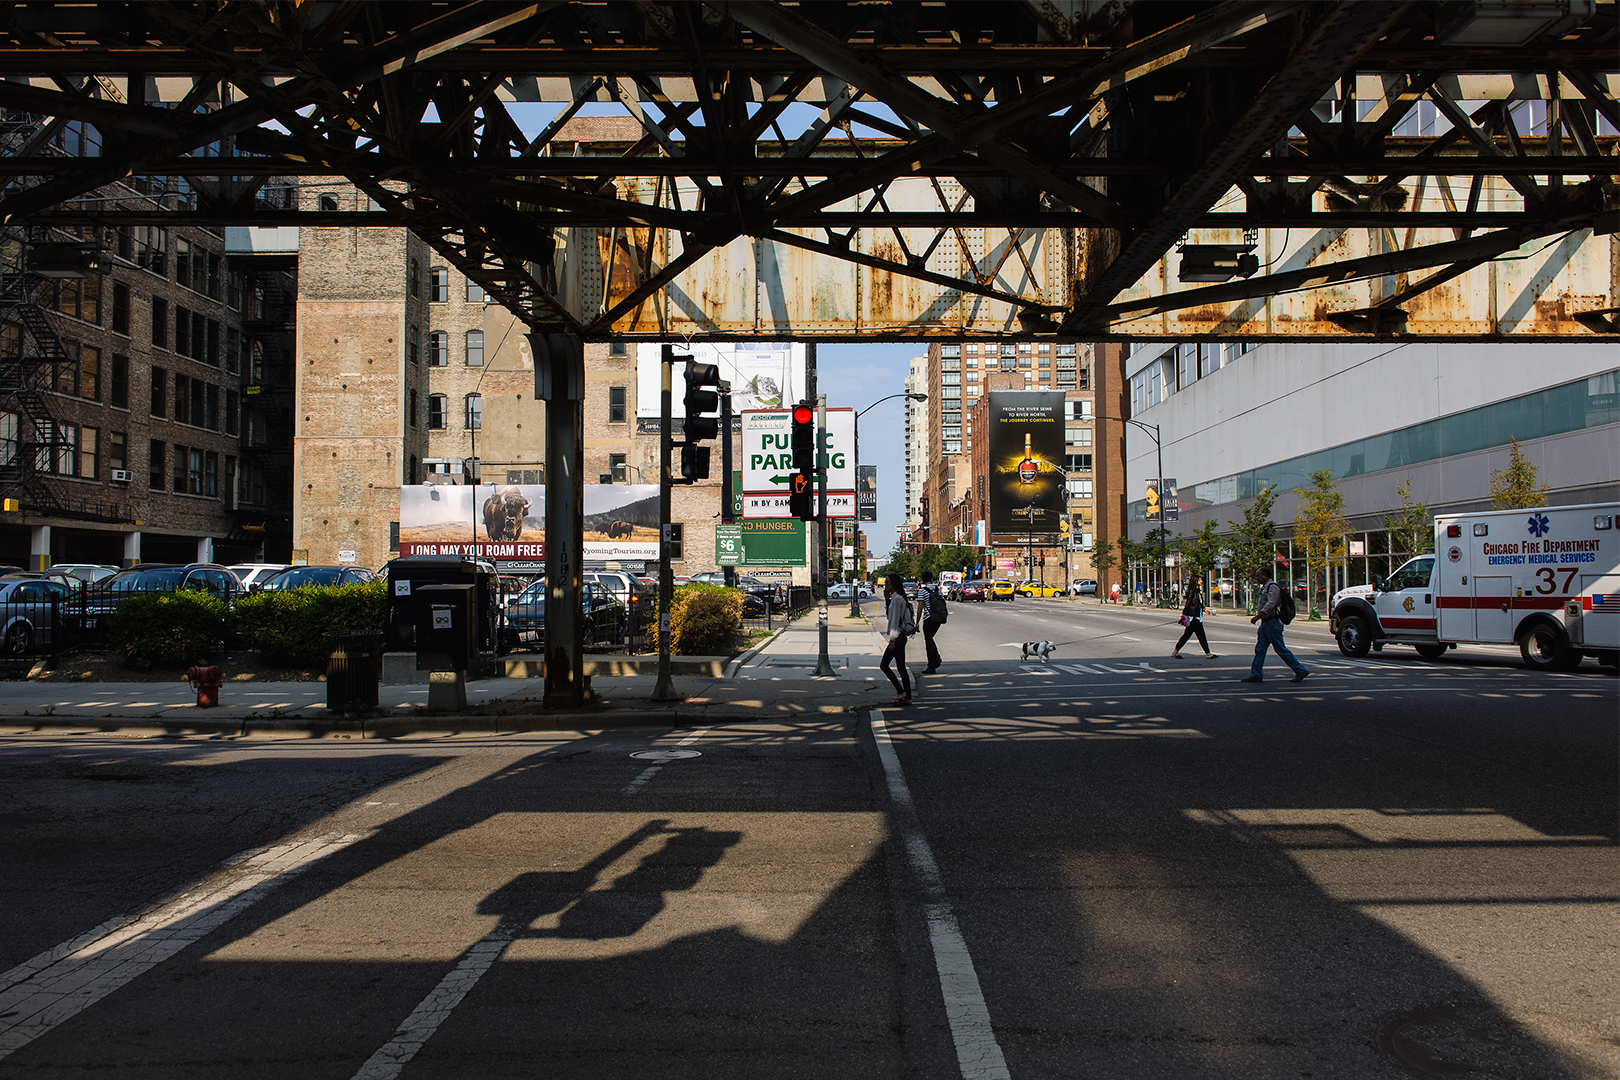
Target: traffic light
(804, 438)
(802, 481)
(700, 399)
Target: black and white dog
(1038, 650)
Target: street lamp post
(855, 586)
(1152, 430)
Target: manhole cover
(665, 755)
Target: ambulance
(1546, 580)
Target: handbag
(1184, 620)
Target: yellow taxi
(1001, 590)
(1035, 588)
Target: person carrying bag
(901, 626)
(931, 615)
(1192, 617)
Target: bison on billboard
(1025, 485)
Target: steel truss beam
(1002, 169)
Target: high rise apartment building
(917, 430)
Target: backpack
(936, 606)
(908, 625)
(1285, 607)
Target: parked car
(636, 595)
(88, 572)
(302, 577)
(34, 612)
(523, 618)
(840, 590)
(105, 595)
(1003, 590)
(1083, 587)
(1036, 588)
(975, 591)
(252, 574)
(751, 585)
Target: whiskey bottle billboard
(1025, 485)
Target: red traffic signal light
(803, 414)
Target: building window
(160, 392)
(616, 348)
(160, 322)
(415, 278)
(616, 404)
(436, 405)
(475, 348)
(182, 331)
(439, 285)
(1078, 463)
(413, 344)
(475, 292)
(151, 249)
(211, 407)
(233, 412)
(410, 409)
(474, 413)
(120, 310)
(89, 452)
(1079, 489)
(950, 363)
(155, 466)
(210, 473)
(117, 450)
(950, 350)
(194, 472)
(120, 381)
(182, 399)
(616, 469)
(328, 202)
(438, 349)
(233, 350)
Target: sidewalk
(774, 681)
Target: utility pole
(823, 662)
(664, 689)
(727, 515)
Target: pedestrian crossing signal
(802, 496)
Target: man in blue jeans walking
(1268, 613)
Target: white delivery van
(1546, 580)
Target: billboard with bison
(507, 522)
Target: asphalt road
(1115, 865)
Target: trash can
(353, 668)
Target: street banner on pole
(866, 492)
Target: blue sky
(856, 375)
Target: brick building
(126, 356)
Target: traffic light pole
(727, 513)
(823, 662)
(664, 689)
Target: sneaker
(1175, 656)
(1251, 678)
(929, 670)
(1300, 676)
(1212, 656)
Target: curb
(736, 665)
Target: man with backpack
(1273, 610)
(930, 616)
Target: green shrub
(286, 625)
(167, 628)
(703, 619)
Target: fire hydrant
(205, 679)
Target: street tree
(1514, 488)
(1103, 560)
(1411, 531)
(1320, 527)
(1200, 550)
(1254, 538)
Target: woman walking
(901, 625)
(1192, 614)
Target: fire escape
(267, 395)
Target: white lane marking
(418, 1028)
(1076, 669)
(652, 770)
(59, 984)
(1146, 667)
(977, 1053)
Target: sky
(855, 376)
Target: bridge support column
(132, 549)
(559, 381)
(39, 547)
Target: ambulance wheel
(1354, 636)
(1431, 652)
(1544, 647)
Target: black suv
(105, 595)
